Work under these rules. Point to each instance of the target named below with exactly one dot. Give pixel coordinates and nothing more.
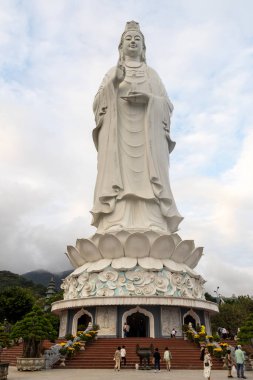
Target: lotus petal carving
(81, 269)
(124, 263)
(163, 247)
(110, 246)
(194, 258)
(172, 265)
(137, 245)
(99, 265)
(150, 263)
(183, 251)
(177, 239)
(74, 256)
(152, 236)
(122, 236)
(88, 250)
(190, 271)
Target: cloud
(53, 56)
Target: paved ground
(98, 374)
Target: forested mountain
(9, 279)
(37, 280)
(43, 277)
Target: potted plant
(4, 343)
(33, 329)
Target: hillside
(9, 279)
(43, 277)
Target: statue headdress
(133, 25)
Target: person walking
(229, 362)
(207, 364)
(240, 358)
(167, 358)
(117, 358)
(157, 359)
(123, 355)
(173, 333)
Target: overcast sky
(53, 56)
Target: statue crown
(132, 25)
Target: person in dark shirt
(157, 358)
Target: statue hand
(120, 73)
(137, 97)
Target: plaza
(96, 374)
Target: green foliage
(9, 280)
(4, 337)
(246, 331)
(208, 297)
(233, 314)
(69, 336)
(45, 303)
(15, 302)
(33, 329)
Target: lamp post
(218, 295)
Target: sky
(53, 56)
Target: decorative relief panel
(136, 282)
(63, 323)
(106, 318)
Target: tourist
(123, 355)
(202, 352)
(207, 364)
(157, 359)
(117, 358)
(167, 358)
(173, 333)
(132, 136)
(229, 362)
(224, 333)
(240, 358)
(126, 329)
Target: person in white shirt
(123, 355)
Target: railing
(52, 356)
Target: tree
(15, 302)
(246, 331)
(33, 329)
(233, 313)
(209, 297)
(4, 337)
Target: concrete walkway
(107, 374)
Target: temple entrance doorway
(83, 322)
(189, 319)
(139, 325)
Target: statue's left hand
(137, 97)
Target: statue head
(133, 26)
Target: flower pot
(30, 364)
(4, 371)
(62, 360)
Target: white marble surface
(165, 301)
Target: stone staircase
(99, 354)
(11, 354)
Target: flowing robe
(133, 143)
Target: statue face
(132, 44)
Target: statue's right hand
(120, 73)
